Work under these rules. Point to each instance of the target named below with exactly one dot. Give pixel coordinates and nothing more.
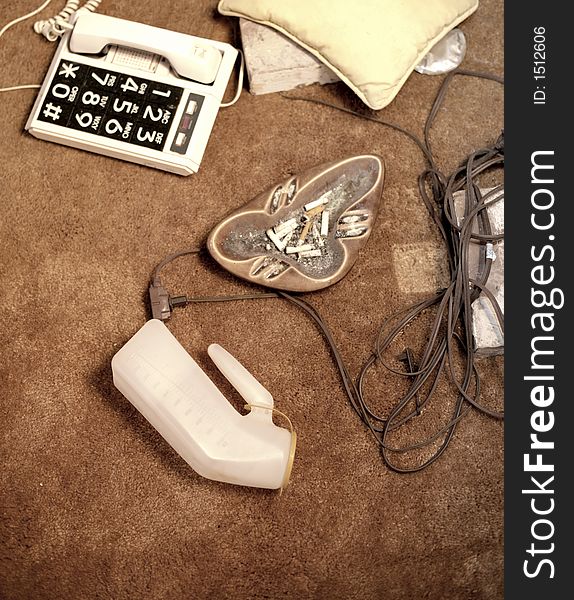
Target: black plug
(177, 301)
(160, 302)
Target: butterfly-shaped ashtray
(305, 233)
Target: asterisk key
(69, 70)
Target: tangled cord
(450, 337)
(56, 26)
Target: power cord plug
(159, 300)
(162, 303)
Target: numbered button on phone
(117, 128)
(149, 137)
(132, 87)
(102, 80)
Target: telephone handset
(133, 91)
(190, 57)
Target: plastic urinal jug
(156, 374)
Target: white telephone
(132, 91)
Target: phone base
(130, 104)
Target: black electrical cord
(449, 341)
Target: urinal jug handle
(241, 379)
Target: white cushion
(372, 45)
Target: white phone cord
(56, 26)
(24, 17)
(239, 83)
(51, 28)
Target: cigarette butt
(315, 211)
(315, 203)
(275, 239)
(350, 231)
(305, 231)
(310, 253)
(291, 224)
(297, 249)
(325, 223)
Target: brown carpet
(93, 503)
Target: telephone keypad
(111, 104)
